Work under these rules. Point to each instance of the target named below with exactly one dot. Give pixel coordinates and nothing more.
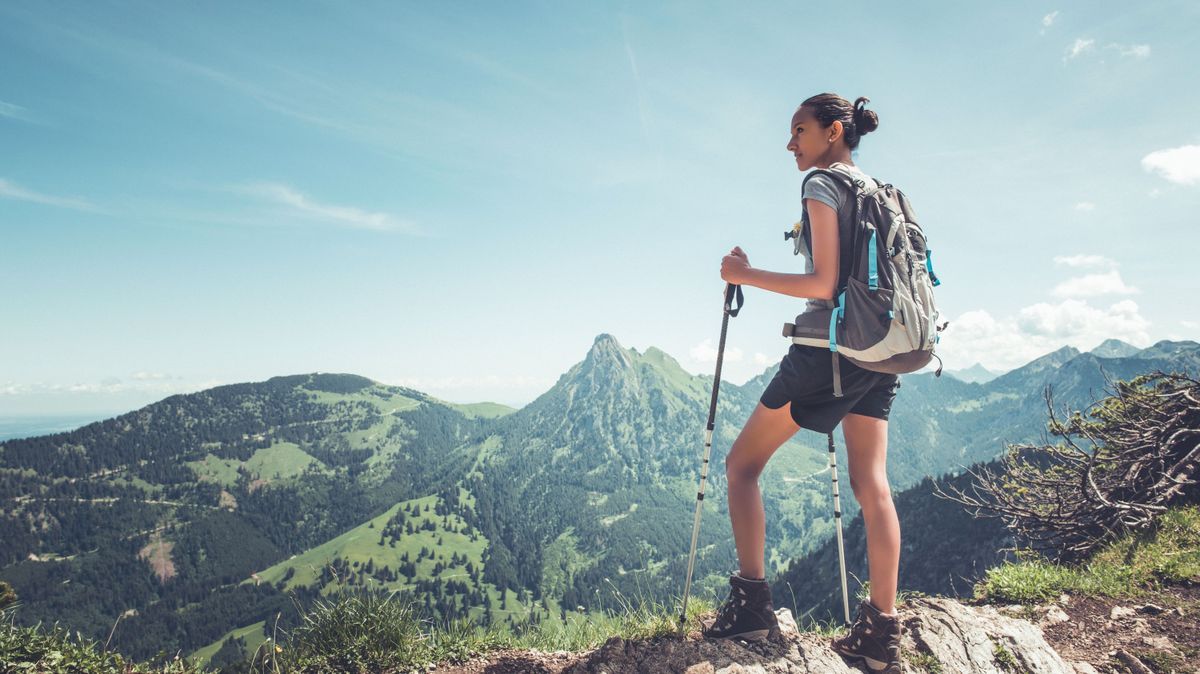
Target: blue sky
(458, 197)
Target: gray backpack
(884, 319)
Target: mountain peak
(977, 373)
(607, 350)
(1037, 367)
(1114, 348)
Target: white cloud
(761, 359)
(1179, 165)
(1137, 51)
(1080, 46)
(347, 216)
(1189, 324)
(1108, 283)
(1011, 341)
(151, 376)
(1085, 206)
(1085, 261)
(13, 191)
(706, 352)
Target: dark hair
(856, 119)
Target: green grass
(214, 469)
(251, 634)
(54, 649)
(279, 461)
(482, 410)
(1135, 564)
(362, 543)
(1004, 659)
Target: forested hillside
(203, 519)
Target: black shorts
(805, 379)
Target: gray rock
(962, 639)
(1119, 612)
(1054, 616)
(974, 639)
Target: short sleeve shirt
(837, 196)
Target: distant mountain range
(200, 517)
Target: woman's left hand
(734, 266)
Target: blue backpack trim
(929, 268)
(872, 271)
(833, 319)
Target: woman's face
(810, 141)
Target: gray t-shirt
(830, 191)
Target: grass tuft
(54, 649)
(1134, 564)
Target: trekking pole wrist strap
(731, 292)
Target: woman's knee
(870, 490)
(741, 463)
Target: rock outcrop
(941, 635)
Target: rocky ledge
(940, 635)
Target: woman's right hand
(734, 266)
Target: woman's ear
(835, 130)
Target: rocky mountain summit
(940, 635)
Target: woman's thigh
(765, 431)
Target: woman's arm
(820, 284)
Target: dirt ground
(1161, 631)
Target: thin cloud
(1086, 206)
(637, 79)
(14, 111)
(1180, 165)
(1080, 46)
(16, 192)
(1137, 51)
(109, 386)
(1085, 261)
(1048, 20)
(345, 216)
(152, 376)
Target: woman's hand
(734, 266)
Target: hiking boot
(747, 614)
(874, 638)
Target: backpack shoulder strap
(840, 176)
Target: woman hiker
(824, 131)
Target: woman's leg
(763, 433)
(866, 448)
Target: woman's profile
(824, 131)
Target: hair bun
(865, 121)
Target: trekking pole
(837, 515)
(731, 291)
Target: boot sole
(752, 635)
(871, 663)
